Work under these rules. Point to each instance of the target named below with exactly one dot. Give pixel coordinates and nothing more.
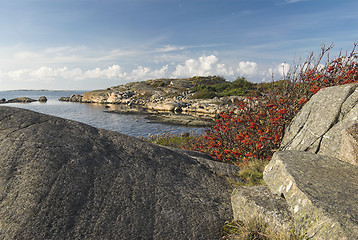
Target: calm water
(92, 114)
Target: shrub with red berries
(254, 129)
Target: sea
(93, 114)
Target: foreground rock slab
(251, 203)
(61, 179)
(322, 192)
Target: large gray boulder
(318, 127)
(322, 193)
(61, 179)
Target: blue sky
(92, 44)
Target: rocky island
(23, 100)
(163, 100)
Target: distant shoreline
(42, 90)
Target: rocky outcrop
(322, 192)
(318, 127)
(21, 100)
(42, 99)
(61, 179)
(165, 106)
(72, 98)
(151, 91)
(162, 96)
(170, 95)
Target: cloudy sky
(92, 44)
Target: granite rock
(322, 192)
(349, 145)
(251, 203)
(318, 127)
(61, 179)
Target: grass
(171, 140)
(252, 172)
(258, 229)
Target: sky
(95, 44)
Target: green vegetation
(239, 87)
(171, 140)
(158, 84)
(252, 172)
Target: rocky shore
(23, 100)
(163, 100)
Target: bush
(239, 87)
(241, 82)
(235, 92)
(204, 94)
(255, 129)
(158, 84)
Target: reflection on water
(92, 114)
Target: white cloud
(204, 65)
(52, 76)
(222, 70)
(247, 68)
(210, 65)
(169, 48)
(45, 74)
(140, 72)
(113, 72)
(162, 72)
(143, 73)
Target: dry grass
(258, 229)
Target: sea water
(92, 114)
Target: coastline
(170, 118)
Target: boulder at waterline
(21, 100)
(322, 192)
(42, 99)
(61, 179)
